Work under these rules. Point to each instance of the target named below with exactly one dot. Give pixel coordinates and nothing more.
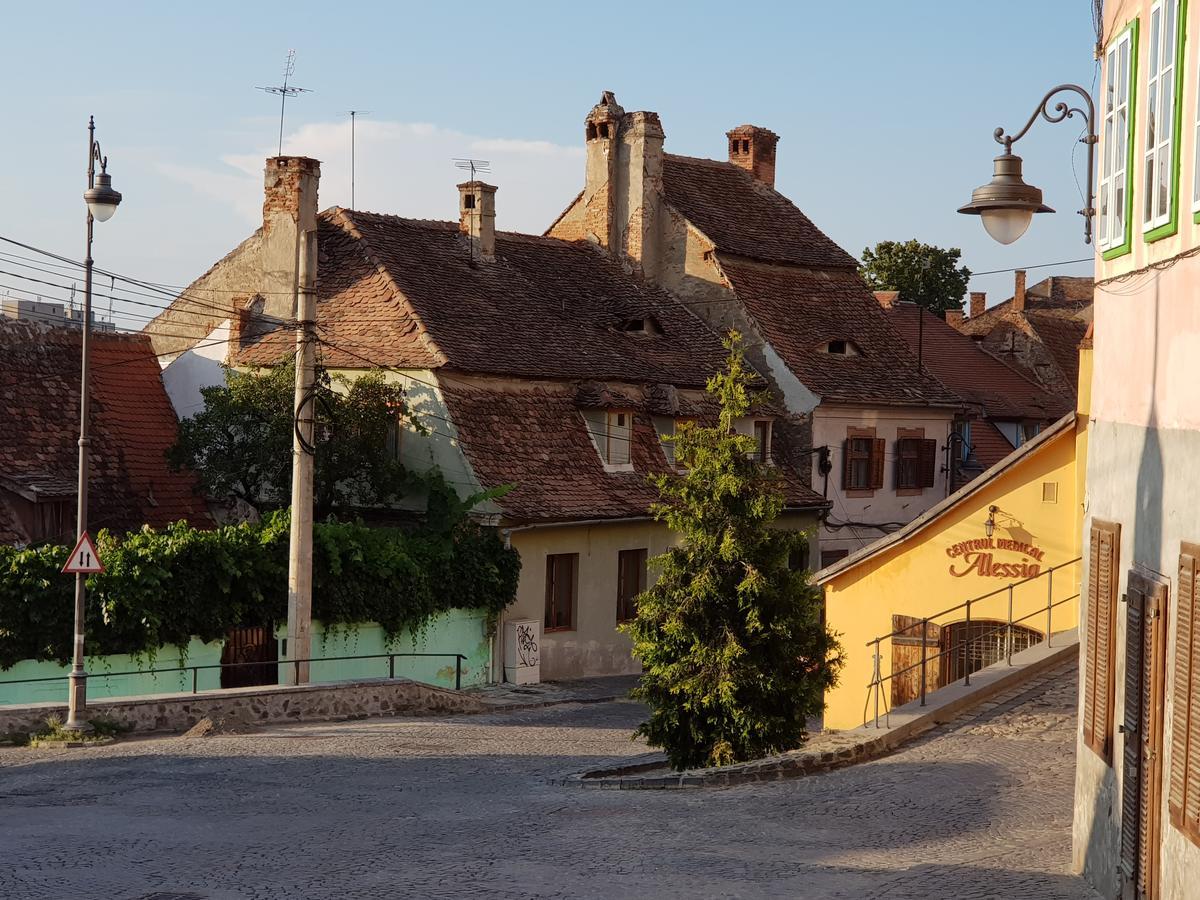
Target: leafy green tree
(735, 655)
(923, 274)
(240, 444)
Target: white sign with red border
(84, 560)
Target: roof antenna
(284, 91)
(353, 113)
(474, 166)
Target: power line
(1066, 262)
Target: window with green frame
(1160, 169)
(1115, 206)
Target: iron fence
(961, 648)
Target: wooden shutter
(878, 451)
(847, 467)
(1183, 796)
(927, 464)
(1100, 624)
(1131, 780)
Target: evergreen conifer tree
(735, 655)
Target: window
(664, 426)
(51, 520)
(395, 438)
(916, 460)
(561, 578)
(829, 557)
(762, 441)
(1158, 196)
(612, 434)
(631, 581)
(839, 347)
(1100, 623)
(963, 429)
(1183, 796)
(1115, 194)
(862, 468)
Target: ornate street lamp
(102, 202)
(989, 526)
(1006, 204)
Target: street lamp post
(102, 202)
(1006, 204)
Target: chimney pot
(978, 303)
(753, 148)
(1018, 303)
(477, 218)
(887, 299)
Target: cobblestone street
(461, 807)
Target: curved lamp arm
(1061, 112)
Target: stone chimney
(600, 185)
(289, 209)
(1018, 301)
(477, 218)
(753, 149)
(954, 318)
(887, 299)
(640, 194)
(978, 303)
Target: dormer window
(762, 440)
(645, 326)
(611, 431)
(839, 347)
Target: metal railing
(878, 680)
(296, 663)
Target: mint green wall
(101, 684)
(458, 631)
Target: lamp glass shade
(1006, 225)
(102, 200)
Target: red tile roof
(799, 311)
(405, 293)
(969, 371)
(988, 445)
(745, 217)
(537, 439)
(132, 425)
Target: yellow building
(1011, 535)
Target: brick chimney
(1018, 301)
(978, 303)
(289, 209)
(753, 149)
(954, 318)
(477, 218)
(887, 299)
(600, 185)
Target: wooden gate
(1142, 726)
(256, 644)
(906, 658)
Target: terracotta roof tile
(743, 216)
(132, 425)
(799, 311)
(537, 440)
(972, 373)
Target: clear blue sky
(885, 111)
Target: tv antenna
(284, 91)
(353, 114)
(473, 165)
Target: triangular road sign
(84, 559)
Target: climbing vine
(164, 586)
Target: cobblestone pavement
(461, 807)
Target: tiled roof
(1061, 333)
(132, 425)
(799, 311)
(745, 217)
(537, 440)
(405, 292)
(1068, 294)
(971, 372)
(988, 445)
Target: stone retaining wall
(257, 706)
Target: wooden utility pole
(299, 628)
